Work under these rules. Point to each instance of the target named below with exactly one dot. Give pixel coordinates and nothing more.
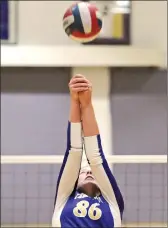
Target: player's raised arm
(72, 160)
(94, 152)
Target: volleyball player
(86, 196)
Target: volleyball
(82, 22)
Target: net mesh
(28, 188)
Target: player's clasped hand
(80, 89)
(78, 83)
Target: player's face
(86, 177)
(87, 183)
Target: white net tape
(28, 188)
(52, 159)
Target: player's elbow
(55, 222)
(95, 158)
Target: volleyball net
(28, 186)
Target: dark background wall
(34, 110)
(34, 114)
(139, 115)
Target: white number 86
(82, 208)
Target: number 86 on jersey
(83, 208)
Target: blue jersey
(74, 209)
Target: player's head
(87, 183)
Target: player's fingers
(78, 80)
(79, 89)
(81, 84)
(78, 76)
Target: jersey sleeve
(70, 168)
(102, 173)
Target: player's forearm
(91, 135)
(75, 113)
(75, 136)
(89, 123)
